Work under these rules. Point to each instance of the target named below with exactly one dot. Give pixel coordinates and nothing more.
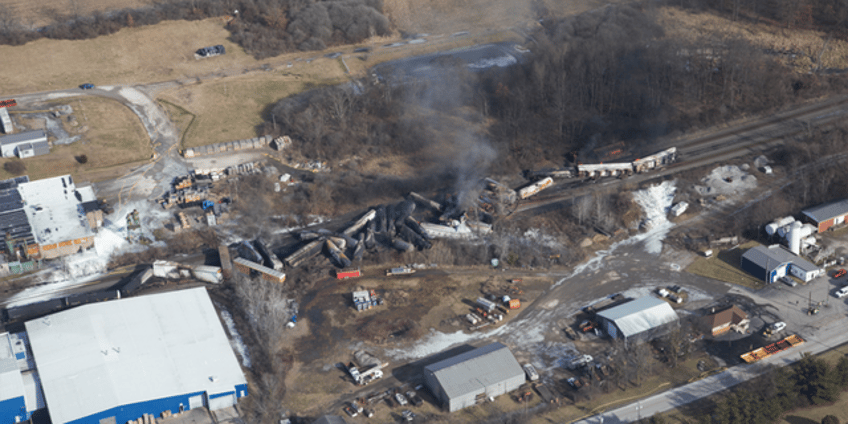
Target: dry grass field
(36, 13)
(131, 56)
(231, 109)
(448, 16)
(112, 138)
(701, 26)
(725, 266)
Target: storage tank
(784, 230)
(771, 228)
(809, 241)
(784, 221)
(795, 238)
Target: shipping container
(344, 274)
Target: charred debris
(412, 223)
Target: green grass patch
(726, 266)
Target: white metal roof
(476, 369)
(640, 315)
(103, 355)
(51, 206)
(11, 382)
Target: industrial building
(472, 377)
(112, 362)
(827, 215)
(19, 390)
(638, 320)
(53, 207)
(25, 144)
(731, 318)
(15, 231)
(6, 121)
(772, 262)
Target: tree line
(264, 28)
(811, 381)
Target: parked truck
(400, 271)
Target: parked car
(530, 370)
(841, 272)
(87, 86)
(778, 326)
(841, 292)
(408, 415)
(789, 281)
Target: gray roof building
(9, 144)
(473, 376)
(772, 262)
(13, 218)
(644, 317)
(828, 214)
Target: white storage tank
(795, 238)
(771, 228)
(784, 221)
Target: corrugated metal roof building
(772, 262)
(827, 215)
(114, 361)
(471, 377)
(10, 144)
(638, 320)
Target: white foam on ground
(727, 180)
(655, 202)
(235, 338)
(434, 342)
(537, 237)
(501, 62)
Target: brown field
(113, 138)
(131, 56)
(806, 43)
(36, 13)
(724, 265)
(231, 109)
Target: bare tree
(582, 207)
(267, 308)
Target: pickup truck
(399, 271)
(401, 399)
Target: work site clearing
(352, 270)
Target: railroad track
(701, 151)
